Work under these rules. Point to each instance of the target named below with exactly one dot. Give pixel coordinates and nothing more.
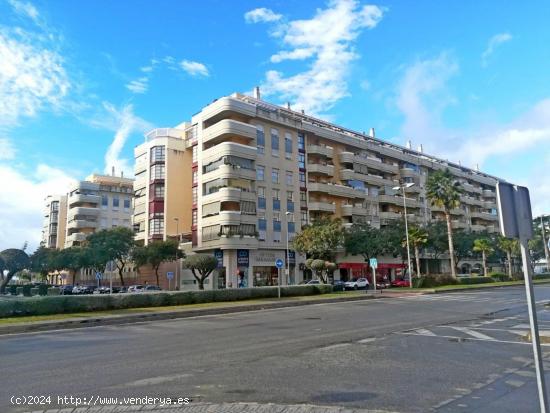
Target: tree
(437, 240)
(510, 247)
(73, 259)
(321, 268)
(363, 239)
(320, 240)
(443, 190)
(204, 264)
(418, 237)
(41, 261)
(155, 253)
(484, 246)
(15, 260)
(111, 245)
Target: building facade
(245, 176)
(98, 202)
(55, 221)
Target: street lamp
(546, 254)
(287, 252)
(403, 187)
(177, 262)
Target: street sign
(170, 275)
(279, 263)
(98, 276)
(514, 208)
(373, 262)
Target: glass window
(157, 171)
(301, 141)
(276, 194)
(289, 206)
(289, 195)
(194, 194)
(276, 226)
(289, 177)
(301, 161)
(126, 203)
(158, 154)
(195, 177)
(261, 191)
(195, 153)
(261, 203)
(288, 145)
(116, 202)
(274, 142)
(291, 227)
(114, 222)
(104, 201)
(303, 196)
(260, 173)
(260, 138)
(302, 177)
(194, 217)
(275, 175)
(159, 191)
(303, 217)
(276, 204)
(262, 224)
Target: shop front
(384, 271)
(264, 271)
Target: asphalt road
(452, 352)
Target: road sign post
(170, 276)
(373, 262)
(279, 264)
(98, 278)
(516, 221)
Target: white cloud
(7, 150)
(25, 9)
(22, 203)
(194, 68)
(139, 85)
(328, 39)
(146, 69)
(32, 77)
(494, 42)
(261, 15)
(125, 123)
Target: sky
(81, 81)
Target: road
(451, 352)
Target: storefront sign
(266, 258)
(243, 258)
(219, 256)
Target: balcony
(459, 224)
(78, 237)
(390, 215)
(81, 223)
(229, 171)
(484, 215)
(82, 211)
(470, 201)
(234, 242)
(374, 163)
(489, 193)
(82, 198)
(316, 168)
(228, 148)
(327, 151)
(457, 211)
(478, 228)
(229, 218)
(336, 190)
(489, 204)
(226, 128)
(322, 206)
(348, 174)
(229, 194)
(409, 172)
(350, 210)
(470, 188)
(398, 200)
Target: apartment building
(98, 202)
(55, 220)
(253, 173)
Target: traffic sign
(170, 275)
(63, 276)
(373, 262)
(279, 263)
(98, 276)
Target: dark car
(120, 289)
(88, 289)
(338, 285)
(148, 288)
(66, 289)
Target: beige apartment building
(242, 178)
(55, 221)
(98, 202)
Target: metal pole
(407, 235)
(287, 254)
(279, 283)
(535, 339)
(546, 254)
(374, 278)
(178, 281)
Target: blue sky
(80, 81)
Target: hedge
(475, 280)
(430, 281)
(499, 276)
(40, 305)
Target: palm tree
(443, 190)
(484, 246)
(509, 246)
(417, 238)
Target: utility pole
(546, 253)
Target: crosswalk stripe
(424, 332)
(473, 333)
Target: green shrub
(43, 289)
(34, 291)
(19, 291)
(13, 289)
(430, 281)
(543, 276)
(475, 280)
(27, 290)
(53, 291)
(499, 276)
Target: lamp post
(546, 254)
(403, 187)
(287, 214)
(177, 262)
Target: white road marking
(424, 332)
(525, 343)
(473, 333)
(367, 340)
(515, 383)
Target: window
(276, 194)
(303, 196)
(114, 222)
(194, 194)
(211, 232)
(157, 171)
(248, 208)
(289, 177)
(158, 154)
(275, 175)
(373, 191)
(262, 225)
(289, 206)
(276, 225)
(195, 153)
(302, 177)
(261, 203)
(194, 217)
(288, 145)
(274, 142)
(158, 191)
(290, 217)
(301, 161)
(195, 177)
(276, 204)
(301, 142)
(303, 218)
(260, 173)
(261, 192)
(289, 195)
(104, 201)
(103, 222)
(291, 227)
(116, 202)
(126, 203)
(260, 139)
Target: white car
(135, 288)
(356, 284)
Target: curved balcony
(229, 218)
(229, 171)
(377, 164)
(489, 193)
(327, 151)
(226, 128)
(78, 237)
(316, 168)
(83, 211)
(229, 194)
(225, 106)
(84, 199)
(336, 190)
(478, 228)
(470, 201)
(408, 173)
(390, 215)
(234, 242)
(228, 148)
(484, 215)
(398, 200)
(82, 223)
(322, 206)
(459, 224)
(349, 210)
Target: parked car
(313, 282)
(338, 285)
(400, 283)
(120, 289)
(102, 290)
(78, 289)
(356, 284)
(89, 289)
(66, 289)
(151, 288)
(135, 288)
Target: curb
(37, 326)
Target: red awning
(361, 265)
